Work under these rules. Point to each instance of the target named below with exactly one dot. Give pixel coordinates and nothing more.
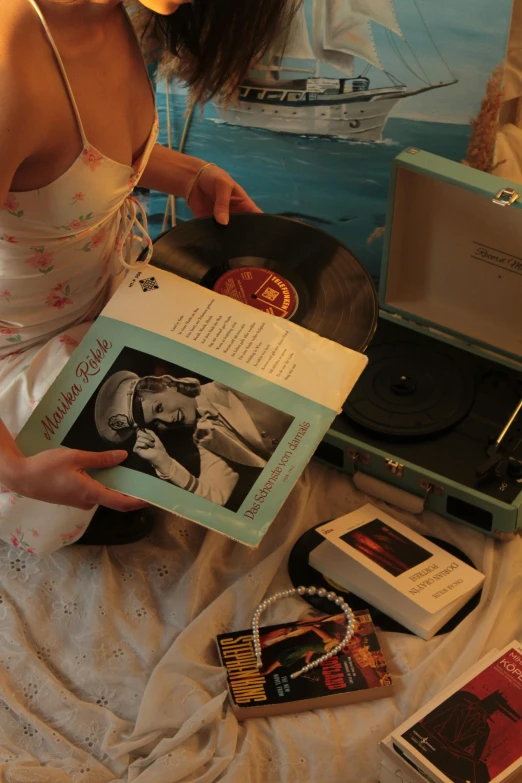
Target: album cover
(358, 673)
(474, 733)
(219, 406)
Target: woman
(232, 431)
(77, 133)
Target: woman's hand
(149, 447)
(215, 193)
(58, 476)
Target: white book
(472, 731)
(394, 768)
(398, 571)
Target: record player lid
(452, 259)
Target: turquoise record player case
(422, 427)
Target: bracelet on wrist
(195, 181)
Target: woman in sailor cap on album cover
(234, 434)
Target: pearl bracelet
(320, 593)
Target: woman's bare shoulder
(20, 47)
(20, 42)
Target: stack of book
(470, 733)
(396, 570)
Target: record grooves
(279, 265)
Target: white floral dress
(59, 249)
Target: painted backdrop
(427, 64)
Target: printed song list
(242, 340)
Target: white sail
(380, 11)
(297, 43)
(341, 31)
(346, 34)
(343, 62)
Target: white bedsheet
(108, 668)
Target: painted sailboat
(297, 99)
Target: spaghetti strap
(62, 69)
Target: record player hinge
(395, 467)
(430, 488)
(356, 457)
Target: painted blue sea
(338, 185)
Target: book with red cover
(473, 734)
(358, 673)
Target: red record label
(259, 288)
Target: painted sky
(471, 36)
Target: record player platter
(279, 265)
(408, 392)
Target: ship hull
(355, 116)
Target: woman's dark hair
(216, 42)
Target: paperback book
(398, 571)
(358, 673)
(394, 767)
(472, 732)
(219, 405)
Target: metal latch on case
(506, 197)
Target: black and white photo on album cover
(181, 427)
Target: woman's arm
(214, 193)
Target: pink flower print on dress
(60, 296)
(77, 197)
(42, 260)
(9, 239)
(12, 335)
(13, 207)
(66, 339)
(79, 222)
(35, 532)
(92, 158)
(66, 537)
(19, 542)
(6, 296)
(99, 237)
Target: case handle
(390, 494)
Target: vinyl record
(301, 573)
(278, 265)
(405, 392)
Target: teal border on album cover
(289, 460)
